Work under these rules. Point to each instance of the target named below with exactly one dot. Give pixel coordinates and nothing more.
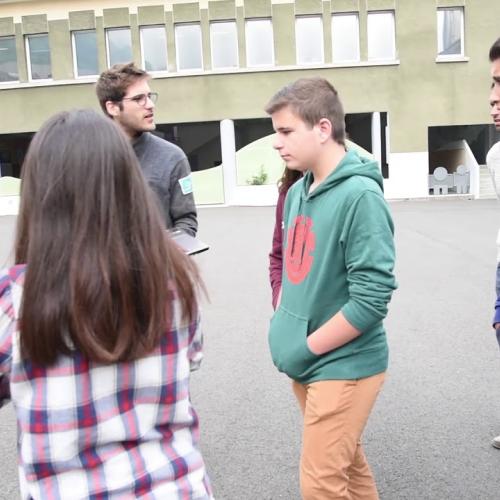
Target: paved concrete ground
(429, 436)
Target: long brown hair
(288, 178)
(100, 267)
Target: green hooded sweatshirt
(338, 255)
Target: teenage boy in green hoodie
(327, 333)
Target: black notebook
(190, 244)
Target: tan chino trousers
(333, 465)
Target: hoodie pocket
(288, 344)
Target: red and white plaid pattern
(88, 430)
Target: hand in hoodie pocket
(288, 344)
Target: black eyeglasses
(142, 99)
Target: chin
(145, 128)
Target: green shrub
(258, 179)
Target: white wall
(258, 196)
(408, 176)
(233, 193)
(7, 237)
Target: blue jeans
(497, 286)
(497, 282)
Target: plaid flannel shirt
(87, 430)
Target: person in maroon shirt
(276, 255)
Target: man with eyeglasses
(125, 96)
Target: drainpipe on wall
(228, 149)
(376, 138)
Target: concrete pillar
(376, 138)
(228, 148)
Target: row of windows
(224, 44)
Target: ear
(113, 108)
(325, 129)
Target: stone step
(486, 189)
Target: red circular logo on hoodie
(300, 245)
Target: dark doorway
(13, 148)
(200, 141)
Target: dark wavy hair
(113, 83)
(495, 51)
(101, 270)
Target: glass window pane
(86, 53)
(8, 59)
(381, 36)
(450, 30)
(154, 48)
(309, 39)
(345, 37)
(119, 46)
(188, 45)
(260, 43)
(39, 54)
(224, 40)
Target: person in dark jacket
(125, 96)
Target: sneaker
(496, 442)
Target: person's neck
(328, 161)
(135, 136)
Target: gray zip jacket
(167, 171)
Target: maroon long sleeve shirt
(276, 254)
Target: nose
(149, 103)
(495, 99)
(495, 107)
(277, 143)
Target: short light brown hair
(114, 82)
(312, 99)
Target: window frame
(177, 59)
(120, 28)
(75, 59)
(143, 60)
(6, 82)
(461, 55)
(222, 68)
(394, 54)
(28, 57)
(322, 45)
(268, 21)
(358, 48)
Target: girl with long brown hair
(288, 179)
(99, 325)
